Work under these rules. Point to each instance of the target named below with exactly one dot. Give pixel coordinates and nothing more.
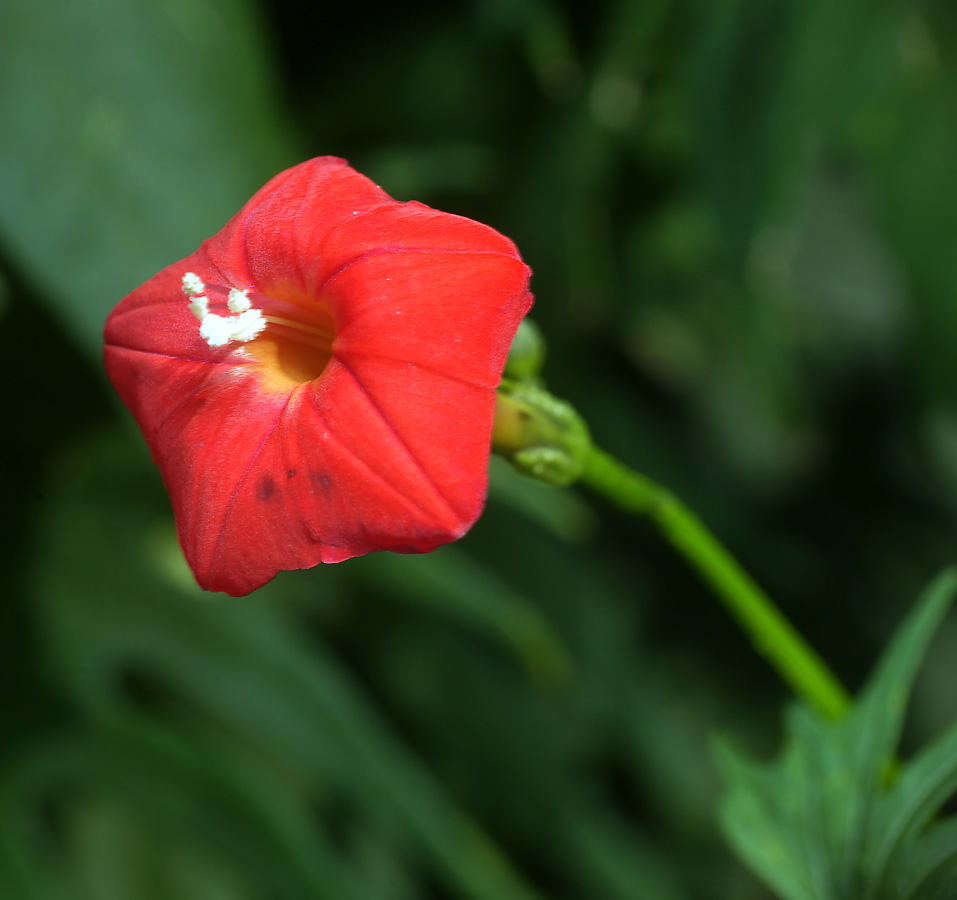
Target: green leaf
(909, 807)
(147, 125)
(821, 821)
(757, 815)
(929, 869)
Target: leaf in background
(132, 130)
(820, 821)
(233, 680)
(626, 864)
(565, 514)
(453, 585)
(210, 804)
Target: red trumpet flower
(317, 381)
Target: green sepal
(541, 436)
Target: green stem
(773, 636)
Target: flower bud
(539, 434)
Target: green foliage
(838, 815)
(740, 217)
(148, 124)
(255, 722)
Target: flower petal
(437, 309)
(273, 240)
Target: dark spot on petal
(290, 473)
(321, 482)
(266, 487)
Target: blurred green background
(742, 217)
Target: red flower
(326, 386)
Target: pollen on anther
(192, 284)
(238, 301)
(217, 331)
(199, 307)
(247, 325)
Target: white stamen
(239, 301)
(247, 325)
(217, 331)
(199, 307)
(192, 284)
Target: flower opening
(317, 381)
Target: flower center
(291, 338)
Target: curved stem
(772, 634)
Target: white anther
(247, 325)
(239, 301)
(217, 331)
(192, 284)
(199, 307)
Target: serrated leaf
(755, 816)
(872, 730)
(820, 822)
